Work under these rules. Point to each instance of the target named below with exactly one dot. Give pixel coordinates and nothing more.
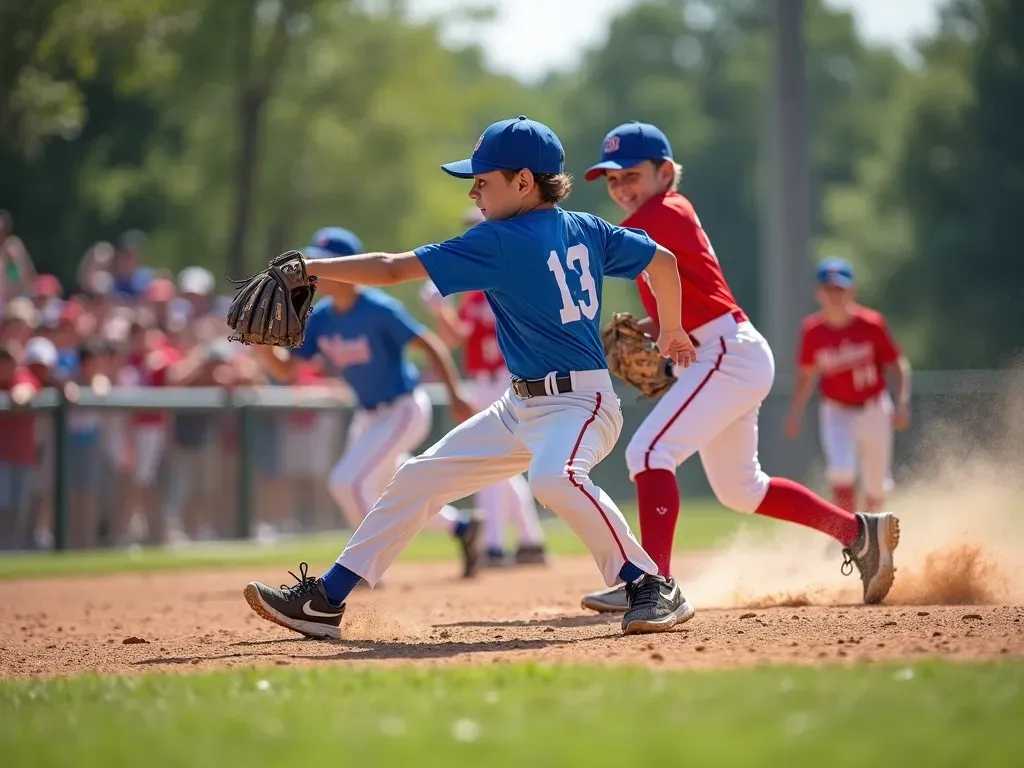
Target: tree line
(231, 130)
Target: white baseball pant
(558, 438)
(852, 437)
(379, 441)
(712, 410)
(505, 499)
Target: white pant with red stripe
(712, 409)
(861, 437)
(509, 499)
(558, 438)
(378, 442)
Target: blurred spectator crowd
(134, 476)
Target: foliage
(141, 113)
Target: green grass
(955, 715)
(703, 525)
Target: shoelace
(306, 583)
(644, 593)
(847, 567)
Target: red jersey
(18, 446)
(482, 353)
(671, 221)
(139, 373)
(850, 360)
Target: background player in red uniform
(713, 406)
(847, 348)
(472, 325)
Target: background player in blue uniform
(542, 269)
(362, 334)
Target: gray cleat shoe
(613, 600)
(302, 607)
(656, 604)
(872, 554)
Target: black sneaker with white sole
(656, 604)
(872, 554)
(303, 607)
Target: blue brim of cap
(622, 164)
(840, 281)
(467, 169)
(313, 252)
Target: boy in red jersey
(713, 406)
(848, 349)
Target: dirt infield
(139, 623)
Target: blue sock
(338, 582)
(630, 573)
(460, 528)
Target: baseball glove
(633, 356)
(272, 306)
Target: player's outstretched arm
(441, 359)
(368, 268)
(900, 373)
(277, 363)
(803, 386)
(673, 341)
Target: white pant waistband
(597, 379)
(723, 325)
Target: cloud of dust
(371, 623)
(962, 530)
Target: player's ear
(525, 182)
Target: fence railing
(973, 400)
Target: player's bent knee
(744, 496)
(551, 488)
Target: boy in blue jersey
(363, 334)
(542, 269)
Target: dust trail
(962, 537)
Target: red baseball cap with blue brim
(629, 145)
(835, 271)
(512, 145)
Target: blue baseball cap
(630, 144)
(333, 241)
(512, 145)
(835, 271)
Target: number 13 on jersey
(577, 257)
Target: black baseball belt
(526, 388)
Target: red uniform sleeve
(805, 348)
(888, 351)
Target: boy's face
(632, 187)
(834, 298)
(497, 198)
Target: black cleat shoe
(656, 604)
(612, 600)
(470, 542)
(302, 607)
(872, 554)
(495, 558)
(531, 554)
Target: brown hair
(553, 187)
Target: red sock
(845, 497)
(792, 502)
(657, 496)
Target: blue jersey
(366, 345)
(542, 273)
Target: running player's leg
(835, 426)
(874, 437)
(568, 435)
(470, 457)
(473, 455)
(371, 457)
(525, 519)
